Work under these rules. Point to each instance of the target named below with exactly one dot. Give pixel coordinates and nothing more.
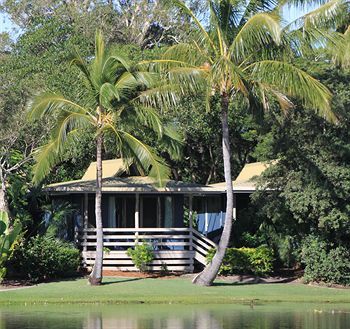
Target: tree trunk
(4, 206)
(95, 277)
(207, 277)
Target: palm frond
(206, 37)
(226, 15)
(149, 117)
(146, 79)
(258, 32)
(107, 93)
(96, 72)
(300, 4)
(225, 76)
(284, 102)
(257, 6)
(130, 83)
(172, 141)
(190, 79)
(48, 155)
(65, 123)
(115, 60)
(328, 15)
(81, 64)
(266, 94)
(45, 159)
(308, 42)
(113, 66)
(110, 126)
(156, 63)
(47, 103)
(293, 82)
(183, 54)
(163, 97)
(145, 157)
(341, 52)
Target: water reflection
(277, 316)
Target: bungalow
(181, 221)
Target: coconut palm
(242, 56)
(117, 97)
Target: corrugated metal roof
(252, 170)
(110, 168)
(245, 182)
(131, 184)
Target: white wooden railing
(173, 248)
(201, 245)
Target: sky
(5, 23)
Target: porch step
(201, 246)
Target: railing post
(234, 210)
(206, 217)
(137, 217)
(190, 205)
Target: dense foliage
(324, 262)
(310, 182)
(42, 258)
(257, 261)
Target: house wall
(156, 210)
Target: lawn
(177, 290)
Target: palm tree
(117, 98)
(243, 56)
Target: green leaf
(4, 221)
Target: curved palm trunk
(207, 277)
(95, 277)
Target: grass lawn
(177, 290)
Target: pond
(87, 316)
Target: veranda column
(234, 212)
(85, 223)
(190, 214)
(206, 217)
(137, 216)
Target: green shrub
(141, 256)
(257, 261)
(43, 258)
(324, 262)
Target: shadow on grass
(121, 281)
(249, 283)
